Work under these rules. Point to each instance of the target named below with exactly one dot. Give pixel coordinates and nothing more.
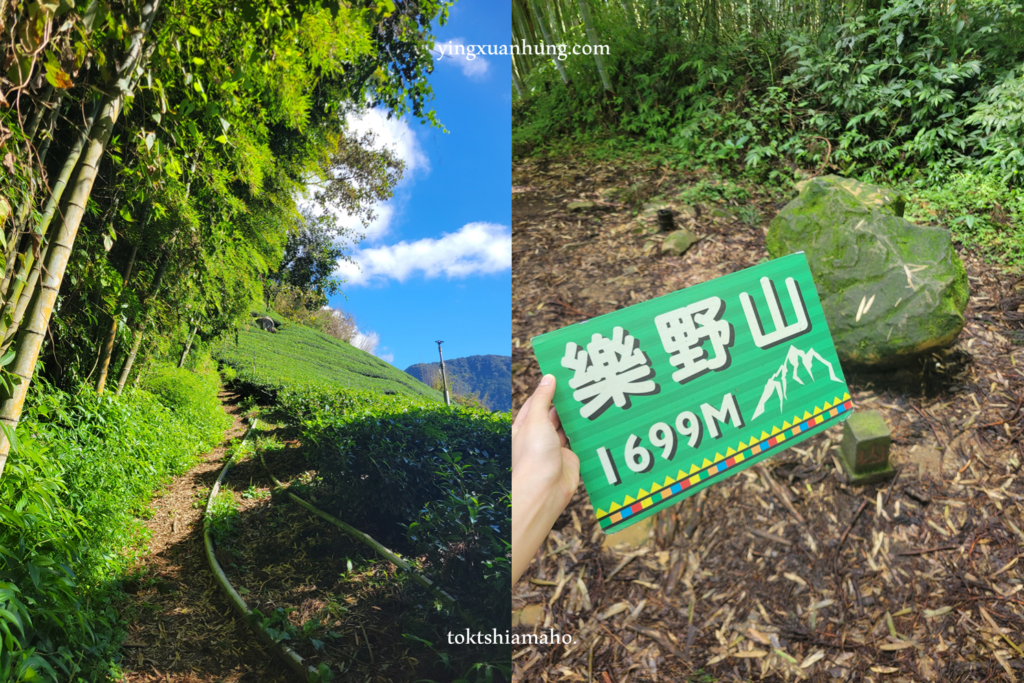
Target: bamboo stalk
(28, 264)
(184, 354)
(126, 369)
(545, 30)
(588, 23)
(30, 338)
(108, 343)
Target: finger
(542, 399)
(553, 416)
(521, 415)
(556, 422)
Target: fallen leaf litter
(782, 572)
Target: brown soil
(916, 579)
(181, 627)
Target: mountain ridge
(489, 376)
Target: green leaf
(222, 139)
(194, 31)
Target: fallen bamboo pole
(377, 547)
(288, 655)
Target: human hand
(545, 474)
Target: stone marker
(865, 448)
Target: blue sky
(436, 263)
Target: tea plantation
(297, 356)
(380, 450)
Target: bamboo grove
(896, 90)
(154, 156)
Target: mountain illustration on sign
(777, 382)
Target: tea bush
(429, 480)
(297, 356)
(80, 474)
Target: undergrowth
(917, 94)
(80, 474)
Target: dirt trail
(181, 628)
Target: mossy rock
(678, 242)
(891, 290)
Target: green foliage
(77, 482)
(914, 93)
(441, 474)
(297, 356)
(223, 516)
(191, 393)
(982, 212)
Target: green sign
(666, 397)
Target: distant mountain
(776, 384)
(488, 376)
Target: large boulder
(267, 324)
(891, 290)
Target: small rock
(635, 536)
(720, 215)
(529, 616)
(928, 459)
(686, 211)
(266, 324)
(581, 206)
(611, 194)
(678, 242)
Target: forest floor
(916, 579)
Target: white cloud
(456, 53)
(475, 249)
(393, 133)
(397, 135)
(369, 341)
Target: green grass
(75, 489)
(297, 356)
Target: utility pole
(444, 379)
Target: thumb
(542, 397)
